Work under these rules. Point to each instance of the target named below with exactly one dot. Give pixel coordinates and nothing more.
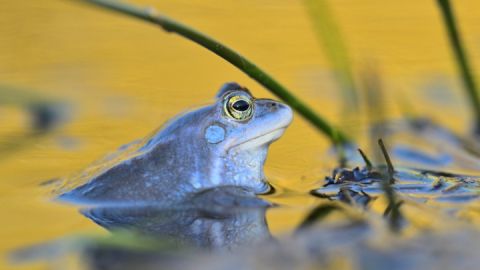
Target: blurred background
(117, 79)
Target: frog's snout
(281, 112)
(284, 111)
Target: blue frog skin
(222, 144)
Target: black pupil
(241, 105)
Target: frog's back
(105, 166)
(99, 167)
(131, 175)
(144, 170)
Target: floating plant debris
(410, 182)
(360, 186)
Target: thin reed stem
(463, 64)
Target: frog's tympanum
(222, 144)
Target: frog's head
(226, 143)
(246, 123)
(239, 133)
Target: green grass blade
(329, 36)
(169, 25)
(461, 60)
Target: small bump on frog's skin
(195, 151)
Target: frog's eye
(238, 107)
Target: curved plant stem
(461, 59)
(169, 25)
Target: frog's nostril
(272, 106)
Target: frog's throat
(259, 140)
(243, 168)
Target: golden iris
(239, 107)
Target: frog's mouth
(260, 140)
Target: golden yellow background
(122, 78)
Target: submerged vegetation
(44, 115)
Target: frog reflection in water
(224, 218)
(223, 144)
